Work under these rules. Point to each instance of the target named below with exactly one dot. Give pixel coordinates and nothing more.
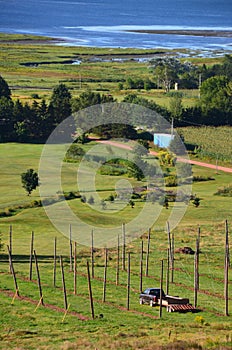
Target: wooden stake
(171, 251)
(10, 246)
(31, 256)
(105, 274)
(128, 283)
(92, 254)
(142, 249)
(172, 257)
(75, 269)
(63, 283)
(169, 240)
(54, 263)
(226, 273)
(141, 276)
(90, 291)
(117, 265)
(148, 251)
(10, 240)
(198, 256)
(123, 247)
(196, 274)
(70, 245)
(38, 279)
(12, 271)
(141, 268)
(167, 274)
(161, 288)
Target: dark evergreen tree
(6, 120)
(4, 88)
(60, 104)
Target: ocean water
(103, 23)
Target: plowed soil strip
(48, 306)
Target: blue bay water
(103, 23)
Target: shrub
(35, 96)
(83, 199)
(171, 181)
(113, 170)
(135, 195)
(225, 191)
(110, 198)
(74, 153)
(199, 178)
(91, 200)
(196, 202)
(71, 195)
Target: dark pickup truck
(151, 296)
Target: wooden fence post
(54, 263)
(142, 249)
(196, 274)
(198, 256)
(172, 257)
(90, 291)
(128, 283)
(10, 240)
(171, 251)
(75, 269)
(167, 274)
(63, 283)
(161, 288)
(92, 254)
(38, 280)
(105, 276)
(148, 251)
(123, 247)
(117, 264)
(31, 256)
(226, 270)
(141, 268)
(13, 272)
(70, 247)
(10, 247)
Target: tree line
(34, 123)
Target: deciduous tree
(30, 180)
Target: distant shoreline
(192, 32)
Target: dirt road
(195, 162)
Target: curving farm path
(195, 162)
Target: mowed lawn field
(25, 324)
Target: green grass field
(24, 323)
(26, 326)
